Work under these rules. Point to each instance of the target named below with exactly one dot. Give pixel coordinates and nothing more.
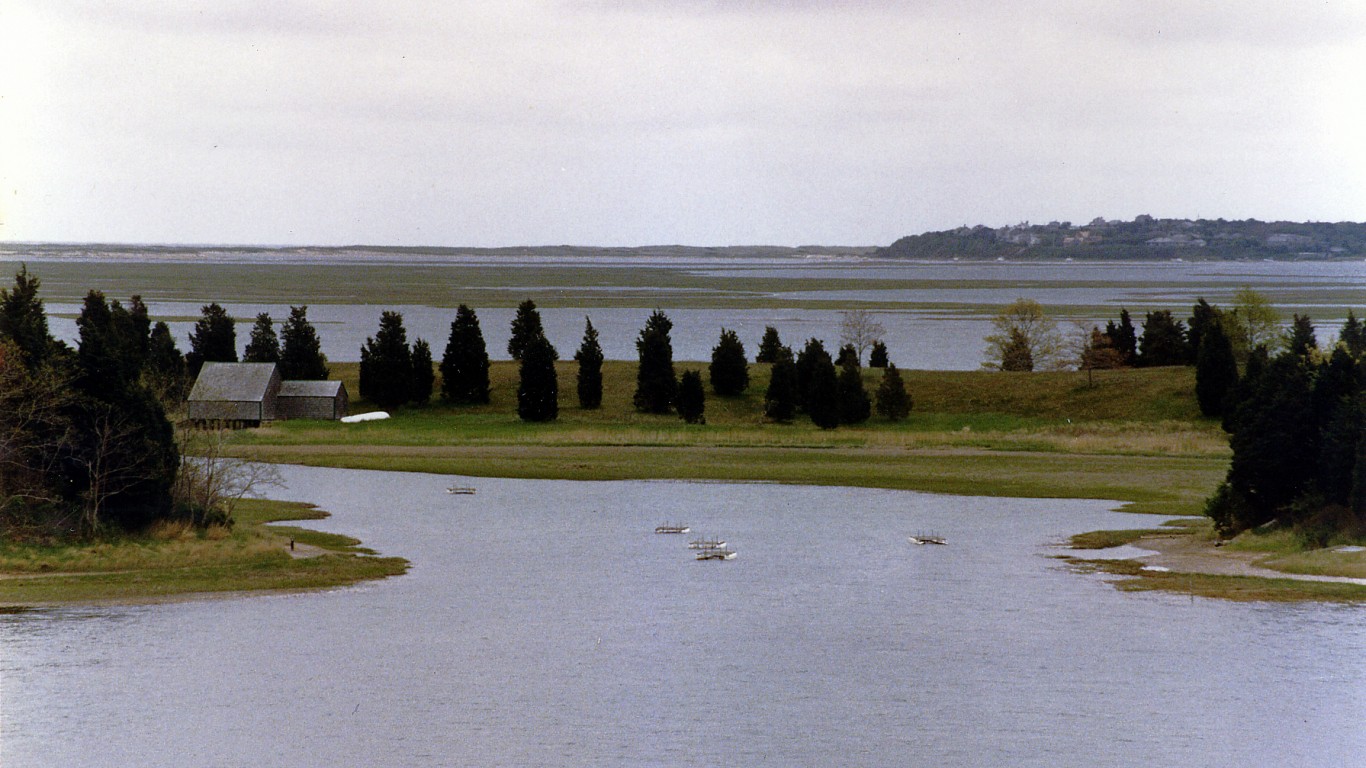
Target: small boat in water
(460, 489)
(706, 543)
(716, 553)
(926, 538)
(671, 528)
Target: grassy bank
(1132, 436)
(175, 560)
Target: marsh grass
(175, 559)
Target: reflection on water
(543, 623)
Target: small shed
(234, 393)
(312, 400)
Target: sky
(695, 122)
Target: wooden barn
(312, 400)
(249, 394)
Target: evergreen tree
(1203, 315)
(770, 346)
(893, 402)
(23, 319)
(589, 357)
(692, 400)
(465, 363)
(1123, 338)
(1016, 354)
(165, 366)
(526, 328)
(780, 399)
(1275, 443)
(264, 345)
(822, 403)
(729, 369)
(1340, 443)
(1163, 342)
(854, 405)
(878, 357)
(123, 457)
(656, 384)
(423, 377)
(1216, 370)
(1353, 336)
(1300, 339)
(137, 329)
(213, 340)
(812, 356)
(301, 354)
(848, 355)
(387, 364)
(538, 388)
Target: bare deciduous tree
(211, 480)
(860, 328)
(1023, 326)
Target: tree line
(394, 374)
(86, 444)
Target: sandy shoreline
(1183, 553)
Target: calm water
(544, 624)
(935, 314)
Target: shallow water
(543, 623)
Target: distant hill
(1144, 238)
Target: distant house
(249, 394)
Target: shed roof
(233, 382)
(292, 388)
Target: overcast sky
(607, 122)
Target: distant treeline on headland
(1144, 238)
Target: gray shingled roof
(309, 388)
(233, 382)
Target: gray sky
(699, 122)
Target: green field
(1133, 436)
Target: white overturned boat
(926, 538)
(463, 490)
(671, 528)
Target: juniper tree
(1016, 354)
(854, 405)
(165, 367)
(770, 346)
(589, 357)
(893, 402)
(263, 346)
(780, 399)
(729, 370)
(23, 319)
(1353, 335)
(387, 363)
(692, 399)
(848, 355)
(301, 355)
(822, 403)
(656, 383)
(538, 386)
(213, 339)
(812, 356)
(465, 363)
(1163, 341)
(1203, 315)
(1123, 338)
(423, 377)
(1300, 339)
(878, 357)
(1216, 370)
(526, 328)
